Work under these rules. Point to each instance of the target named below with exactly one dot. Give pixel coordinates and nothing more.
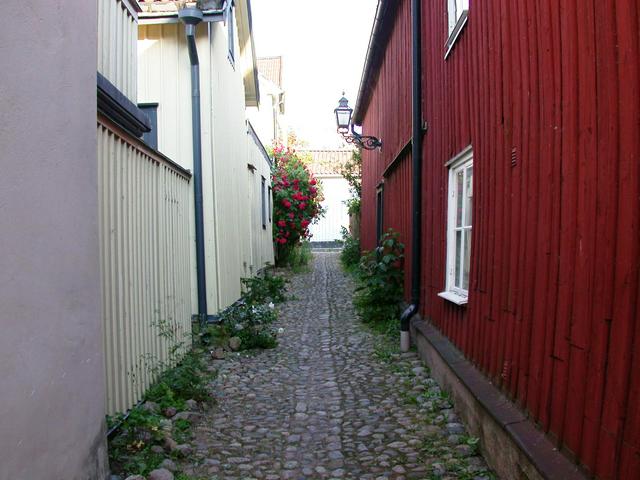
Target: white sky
(323, 46)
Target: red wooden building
(530, 183)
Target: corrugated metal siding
(117, 41)
(552, 315)
(144, 247)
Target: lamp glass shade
(343, 115)
(343, 118)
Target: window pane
(468, 196)
(459, 196)
(467, 259)
(458, 258)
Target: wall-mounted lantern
(345, 127)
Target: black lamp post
(345, 127)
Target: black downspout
(416, 163)
(191, 17)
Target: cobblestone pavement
(332, 401)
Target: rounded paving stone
(323, 404)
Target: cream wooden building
(147, 180)
(228, 79)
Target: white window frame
(460, 162)
(457, 15)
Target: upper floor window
(458, 12)
(231, 32)
(459, 227)
(263, 196)
(151, 137)
(379, 211)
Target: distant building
(326, 166)
(269, 119)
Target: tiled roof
(157, 6)
(327, 162)
(271, 69)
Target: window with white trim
(458, 11)
(459, 227)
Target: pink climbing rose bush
(296, 199)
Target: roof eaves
(385, 14)
(250, 74)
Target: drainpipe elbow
(405, 318)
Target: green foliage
(352, 173)
(269, 288)
(181, 383)
(130, 450)
(253, 324)
(350, 255)
(353, 206)
(299, 257)
(251, 318)
(380, 280)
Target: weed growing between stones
(156, 433)
(299, 258)
(248, 323)
(447, 450)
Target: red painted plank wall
(397, 195)
(554, 295)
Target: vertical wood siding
(165, 78)
(258, 241)
(553, 303)
(117, 41)
(144, 256)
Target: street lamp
(343, 119)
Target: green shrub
(380, 279)
(298, 257)
(252, 324)
(260, 290)
(350, 255)
(183, 382)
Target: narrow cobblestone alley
(330, 402)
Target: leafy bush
(259, 290)
(253, 324)
(353, 206)
(181, 383)
(350, 255)
(251, 318)
(380, 280)
(352, 173)
(296, 201)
